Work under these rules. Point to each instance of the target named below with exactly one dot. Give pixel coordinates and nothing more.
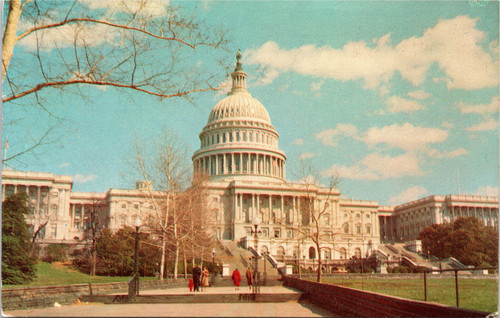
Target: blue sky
(399, 98)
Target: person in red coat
(236, 279)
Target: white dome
(239, 141)
(240, 106)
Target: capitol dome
(242, 106)
(239, 139)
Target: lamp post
(265, 270)
(137, 224)
(256, 244)
(213, 259)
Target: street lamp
(213, 258)
(256, 243)
(137, 224)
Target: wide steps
(193, 298)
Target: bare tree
(138, 45)
(163, 163)
(315, 207)
(198, 220)
(97, 220)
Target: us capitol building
(247, 187)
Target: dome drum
(239, 136)
(241, 163)
(239, 139)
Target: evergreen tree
(17, 265)
(466, 239)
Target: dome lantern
(239, 77)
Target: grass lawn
(49, 274)
(474, 293)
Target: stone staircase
(412, 258)
(237, 257)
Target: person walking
(236, 277)
(249, 275)
(196, 278)
(204, 278)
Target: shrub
(55, 253)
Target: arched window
(280, 251)
(343, 253)
(312, 253)
(345, 227)
(264, 250)
(357, 253)
(327, 254)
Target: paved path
(243, 309)
(221, 290)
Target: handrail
(133, 286)
(272, 260)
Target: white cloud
(420, 94)
(451, 44)
(396, 104)
(267, 77)
(310, 179)
(298, 142)
(93, 34)
(492, 107)
(410, 194)
(377, 167)
(224, 88)
(490, 124)
(316, 86)
(447, 154)
(407, 136)
(329, 137)
(488, 191)
(80, 178)
(64, 165)
(307, 155)
(64, 36)
(143, 8)
(447, 125)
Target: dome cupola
(239, 140)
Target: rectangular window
(265, 232)
(277, 233)
(358, 229)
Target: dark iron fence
(456, 270)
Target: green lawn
(474, 293)
(49, 274)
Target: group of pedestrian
(236, 277)
(200, 279)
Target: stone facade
(404, 222)
(248, 190)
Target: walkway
(241, 309)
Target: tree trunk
(9, 36)
(319, 269)
(176, 260)
(163, 252)
(185, 264)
